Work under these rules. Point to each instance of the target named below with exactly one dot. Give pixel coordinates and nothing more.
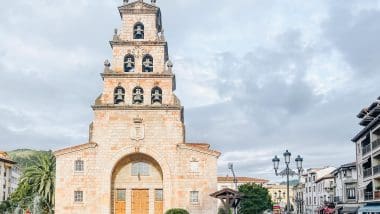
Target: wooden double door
(139, 202)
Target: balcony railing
(367, 172)
(366, 149)
(368, 196)
(337, 199)
(376, 144)
(376, 169)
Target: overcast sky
(256, 77)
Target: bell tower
(140, 73)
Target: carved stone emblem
(138, 129)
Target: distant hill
(25, 157)
(291, 182)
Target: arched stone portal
(137, 185)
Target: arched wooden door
(137, 186)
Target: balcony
(367, 172)
(376, 169)
(366, 149)
(337, 199)
(368, 196)
(376, 144)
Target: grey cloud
(356, 35)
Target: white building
(312, 195)
(228, 182)
(325, 190)
(298, 199)
(345, 188)
(368, 158)
(10, 174)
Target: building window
(156, 95)
(79, 165)
(138, 95)
(119, 95)
(140, 169)
(351, 193)
(78, 196)
(194, 197)
(159, 195)
(138, 31)
(147, 63)
(194, 166)
(120, 194)
(129, 63)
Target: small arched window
(147, 63)
(156, 95)
(138, 95)
(119, 95)
(129, 63)
(138, 31)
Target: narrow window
(119, 95)
(194, 197)
(129, 63)
(120, 194)
(138, 31)
(79, 165)
(138, 95)
(194, 166)
(159, 195)
(78, 196)
(156, 95)
(147, 63)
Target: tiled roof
(4, 157)
(75, 148)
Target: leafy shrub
(177, 211)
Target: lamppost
(231, 167)
(287, 172)
(299, 202)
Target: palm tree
(41, 177)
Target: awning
(365, 184)
(369, 209)
(350, 209)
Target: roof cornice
(136, 107)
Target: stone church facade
(137, 160)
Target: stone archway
(137, 185)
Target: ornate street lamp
(287, 172)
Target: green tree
(37, 181)
(256, 199)
(176, 211)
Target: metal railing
(337, 199)
(366, 149)
(368, 196)
(367, 172)
(376, 144)
(376, 169)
